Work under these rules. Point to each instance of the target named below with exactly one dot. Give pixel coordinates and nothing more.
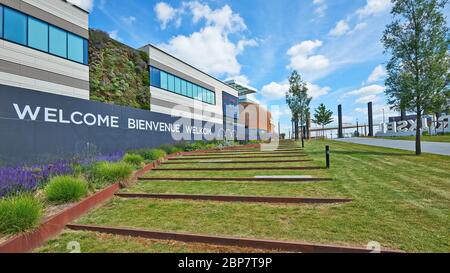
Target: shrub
(64, 189)
(105, 173)
(170, 149)
(133, 159)
(149, 154)
(19, 213)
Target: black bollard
(327, 156)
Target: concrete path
(439, 148)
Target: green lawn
(91, 242)
(439, 138)
(400, 200)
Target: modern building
(44, 46)
(177, 88)
(252, 115)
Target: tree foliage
(418, 71)
(323, 116)
(298, 100)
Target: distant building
(251, 114)
(44, 46)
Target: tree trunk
(296, 129)
(418, 133)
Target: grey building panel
(38, 74)
(179, 74)
(171, 105)
(45, 16)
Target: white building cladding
(180, 86)
(43, 46)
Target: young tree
(418, 71)
(298, 101)
(323, 117)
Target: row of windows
(25, 30)
(169, 82)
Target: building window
(37, 34)
(58, 42)
(174, 84)
(75, 48)
(164, 79)
(1, 21)
(25, 30)
(171, 83)
(15, 29)
(155, 77)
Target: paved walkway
(439, 148)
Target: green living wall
(118, 73)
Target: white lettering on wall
(54, 115)
(27, 112)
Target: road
(439, 148)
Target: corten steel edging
(231, 179)
(242, 154)
(26, 242)
(51, 227)
(253, 151)
(248, 199)
(238, 162)
(288, 246)
(232, 157)
(239, 169)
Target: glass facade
(58, 42)
(15, 26)
(37, 34)
(174, 84)
(25, 30)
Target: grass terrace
(399, 200)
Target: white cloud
(223, 18)
(274, 91)
(321, 7)
(84, 4)
(301, 57)
(165, 13)
(374, 7)
(367, 99)
(367, 90)
(210, 48)
(129, 21)
(114, 35)
(340, 29)
(316, 91)
(366, 94)
(277, 91)
(377, 74)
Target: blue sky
(334, 44)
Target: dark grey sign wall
(41, 127)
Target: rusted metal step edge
(242, 154)
(231, 179)
(225, 198)
(239, 169)
(233, 157)
(238, 162)
(288, 246)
